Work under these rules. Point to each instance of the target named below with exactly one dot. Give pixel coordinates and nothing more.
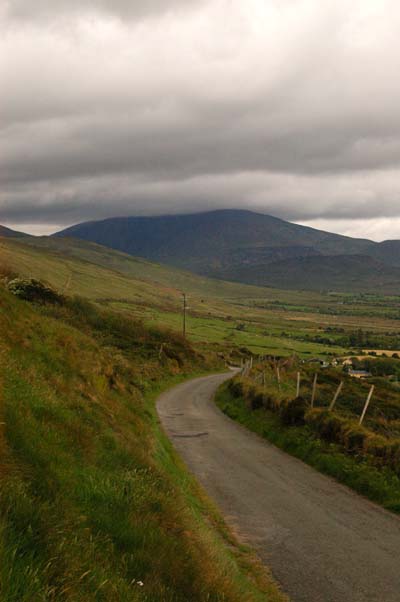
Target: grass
(263, 320)
(93, 498)
(94, 504)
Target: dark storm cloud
(284, 107)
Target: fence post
(314, 389)
(334, 400)
(367, 404)
(298, 385)
(278, 377)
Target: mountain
(203, 241)
(7, 232)
(250, 247)
(387, 251)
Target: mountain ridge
(7, 232)
(245, 246)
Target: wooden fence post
(334, 400)
(314, 389)
(367, 404)
(278, 377)
(298, 385)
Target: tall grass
(94, 505)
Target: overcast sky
(122, 107)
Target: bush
(292, 413)
(379, 447)
(256, 398)
(236, 387)
(34, 291)
(354, 438)
(328, 426)
(271, 403)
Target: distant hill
(249, 247)
(387, 251)
(7, 232)
(356, 273)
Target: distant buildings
(359, 373)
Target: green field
(263, 320)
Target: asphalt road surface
(323, 542)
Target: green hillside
(135, 267)
(227, 314)
(94, 505)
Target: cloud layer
(287, 106)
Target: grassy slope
(154, 293)
(93, 500)
(144, 270)
(262, 319)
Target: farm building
(359, 373)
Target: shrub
(354, 438)
(379, 447)
(271, 403)
(34, 291)
(256, 398)
(328, 426)
(395, 455)
(292, 412)
(236, 387)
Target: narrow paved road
(323, 542)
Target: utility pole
(184, 314)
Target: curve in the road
(323, 542)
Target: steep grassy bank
(94, 504)
(332, 442)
